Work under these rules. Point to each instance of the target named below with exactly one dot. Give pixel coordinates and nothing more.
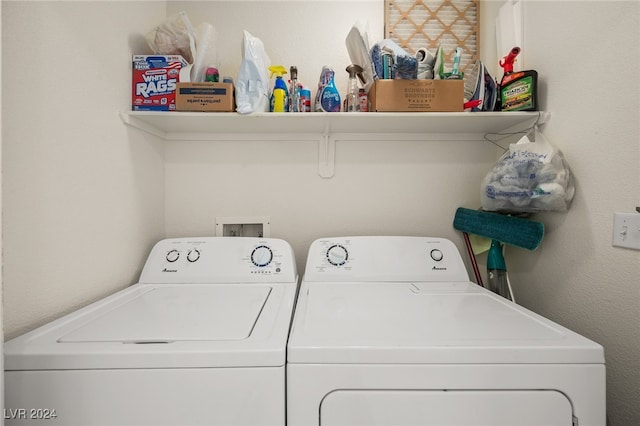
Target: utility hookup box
(243, 227)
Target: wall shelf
(327, 128)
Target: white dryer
(200, 340)
(390, 331)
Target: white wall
(77, 183)
(1, 285)
(583, 50)
(83, 196)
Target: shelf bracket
(326, 153)
(135, 122)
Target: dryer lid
(426, 323)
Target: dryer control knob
(193, 255)
(436, 255)
(337, 255)
(172, 256)
(261, 256)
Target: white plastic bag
(252, 89)
(530, 177)
(206, 53)
(174, 36)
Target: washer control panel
(220, 259)
(384, 259)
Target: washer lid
(426, 323)
(165, 326)
(171, 314)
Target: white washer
(200, 340)
(390, 331)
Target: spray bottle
(280, 94)
(518, 91)
(327, 97)
(294, 90)
(352, 101)
(497, 271)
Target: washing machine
(199, 340)
(391, 331)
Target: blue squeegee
(511, 230)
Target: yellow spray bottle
(280, 94)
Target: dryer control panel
(220, 260)
(379, 259)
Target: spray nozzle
(507, 62)
(278, 70)
(356, 70)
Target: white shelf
(215, 126)
(326, 128)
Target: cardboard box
(154, 81)
(417, 95)
(218, 97)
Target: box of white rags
(155, 78)
(208, 97)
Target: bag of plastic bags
(252, 89)
(174, 36)
(529, 177)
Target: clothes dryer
(390, 331)
(199, 340)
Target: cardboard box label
(417, 95)
(212, 97)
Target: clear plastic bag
(175, 36)
(529, 177)
(206, 54)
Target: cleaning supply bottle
(280, 94)
(518, 91)
(352, 101)
(497, 271)
(327, 97)
(294, 90)
(305, 99)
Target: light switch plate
(626, 230)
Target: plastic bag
(175, 36)
(530, 177)
(252, 89)
(205, 55)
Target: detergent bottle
(327, 97)
(280, 94)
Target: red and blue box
(155, 80)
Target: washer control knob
(337, 255)
(261, 256)
(436, 255)
(172, 256)
(193, 255)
